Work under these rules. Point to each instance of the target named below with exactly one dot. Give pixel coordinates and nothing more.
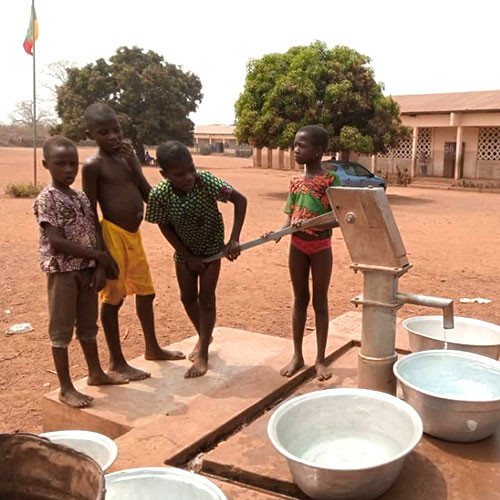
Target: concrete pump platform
(217, 423)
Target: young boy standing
(114, 179)
(70, 256)
(184, 205)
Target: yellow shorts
(127, 250)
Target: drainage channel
(192, 458)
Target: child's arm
(285, 224)
(135, 166)
(90, 174)
(61, 245)
(194, 263)
(232, 249)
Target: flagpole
(34, 90)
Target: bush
(243, 152)
(401, 177)
(23, 189)
(205, 150)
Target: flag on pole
(32, 33)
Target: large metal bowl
(456, 393)
(97, 446)
(345, 443)
(471, 335)
(160, 483)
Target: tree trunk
(344, 155)
(139, 151)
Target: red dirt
(452, 239)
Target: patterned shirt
(73, 216)
(194, 215)
(307, 198)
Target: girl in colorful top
(184, 205)
(311, 249)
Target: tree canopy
(313, 84)
(152, 98)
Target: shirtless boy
(114, 179)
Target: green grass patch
(23, 189)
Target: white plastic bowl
(160, 483)
(97, 446)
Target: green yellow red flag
(32, 33)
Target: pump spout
(425, 300)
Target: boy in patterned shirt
(184, 205)
(70, 255)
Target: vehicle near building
(354, 174)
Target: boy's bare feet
(194, 353)
(75, 399)
(106, 379)
(129, 373)
(322, 371)
(199, 368)
(160, 354)
(293, 367)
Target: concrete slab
(436, 470)
(166, 418)
(215, 412)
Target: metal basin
(160, 483)
(456, 393)
(102, 449)
(471, 335)
(345, 443)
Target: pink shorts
(310, 247)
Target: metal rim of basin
(407, 325)
(59, 437)
(409, 358)
(189, 477)
(381, 396)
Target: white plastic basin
(97, 446)
(160, 483)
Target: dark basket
(32, 467)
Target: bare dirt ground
(452, 239)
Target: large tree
(153, 98)
(23, 114)
(313, 84)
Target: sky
(415, 47)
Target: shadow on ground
(281, 195)
(396, 199)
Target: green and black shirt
(194, 216)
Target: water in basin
(347, 451)
(454, 376)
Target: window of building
(402, 150)
(488, 147)
(424, 143)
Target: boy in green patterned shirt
(184, 205)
